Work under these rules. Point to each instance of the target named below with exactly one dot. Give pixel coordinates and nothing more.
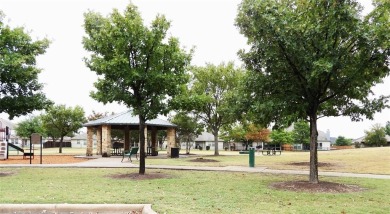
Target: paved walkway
(115, 162)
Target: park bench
(28, 154)
(128, 153)
(271, 152)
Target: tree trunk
(142, 145)
(215, 133)
(188, 146)
(313, 177)
(60, 149)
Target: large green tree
(20, 91)
(376, 136)
(188, 128)
(60, 121)
(27, 127)
(314, 58)
(301, 133)
(387, 128)
(342, 141)
(137, 65)
(215, 85)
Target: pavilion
(126, 121)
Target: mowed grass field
(363, 160)
(188, 191)
(207, 192)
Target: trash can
(251, 157)
(174, 152)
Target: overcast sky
(207, 25)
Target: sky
(205, 25)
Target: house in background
(361, 142)
(80, 141)
(204, 141)
(323, 139)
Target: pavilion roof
(127, 118)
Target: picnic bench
(128, 153)
(271, 152)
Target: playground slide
(16, 147)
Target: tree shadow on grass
(321, 187)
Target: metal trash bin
(252, 157)
(174, 152)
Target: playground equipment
(5, 146)
(4, 133)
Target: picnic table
(270, 152)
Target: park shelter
(126, 121)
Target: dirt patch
(46, 159)
(137, 176)
(4, 174)
(203, 160)
(321, 187)
(320, 164)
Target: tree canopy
(213, 86)
(301, 133)
(314, 58)
(376, 136)
(188, 128)
(20, 91)
(137, 65)
(342, 141)
(29, 126)
(60, 121)
(387, 128)
(280, 137)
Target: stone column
(146, 139)
(89, 141)
(154, 141)
(170, 140)
(106, 140)
(99, 140)
(127, 139)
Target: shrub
(342, 141)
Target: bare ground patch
(321, 187)
(137, 176)
(203, 160)
(46, 159)
(4, 174)
(320, 164)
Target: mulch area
(46, 159)
(203, 160)
(137, 176)
(320, 164)
(321, 187)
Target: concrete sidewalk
(115, 162)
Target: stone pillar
(106, 140)
(170, 140)
(146, 139)
(127, 138)
(99, 140)
(89, 141)
(154, 141)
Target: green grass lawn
(188, 191)
(365, 160)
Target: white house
(205, 140)
(323, 139)
(361, 141)
(80, 141)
